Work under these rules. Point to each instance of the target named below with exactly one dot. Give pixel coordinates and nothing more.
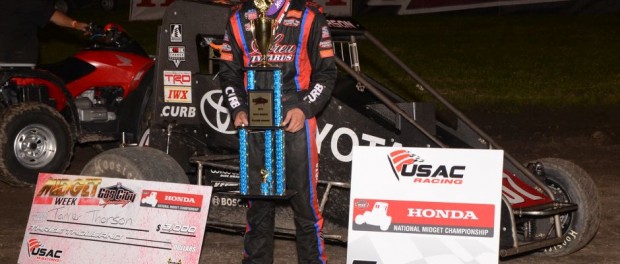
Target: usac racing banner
(424, 205)
(82, 219)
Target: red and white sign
(84, 219)
(425, 205)
(177, 87)
(178, 78)
(171, 200)
(177, 94)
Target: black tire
(570, 183)
(101, 147)
(34, 138)
(138, 163)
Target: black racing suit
(19, 22)
(302, 48)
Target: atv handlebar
(113, 37)
(108, 35)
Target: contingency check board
(83, 219)
(424, 205)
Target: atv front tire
(138, 163)
(572, 184)
(34, 138)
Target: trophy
(262, 30)
(265, 114)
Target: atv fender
(56, 95)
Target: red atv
(98, 94)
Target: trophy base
(287, 195)
(263, 127)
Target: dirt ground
(588, 137)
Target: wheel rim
(35, 146)
(107, 4)
(561, 196)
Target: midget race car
(549, 205)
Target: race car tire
(572, 184)
(34, 138)
(138, 163)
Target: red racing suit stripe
(313, 175)
(301, 47)
(302, 62)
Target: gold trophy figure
(263, 31)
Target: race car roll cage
(470, 131)
(345, 41)
(551, 209)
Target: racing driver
(301, 47)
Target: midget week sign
(82, 219)
(424, 205)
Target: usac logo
(407, 164)
(37, 249)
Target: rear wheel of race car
(138, 163)
(571, 184)
(34, 138)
